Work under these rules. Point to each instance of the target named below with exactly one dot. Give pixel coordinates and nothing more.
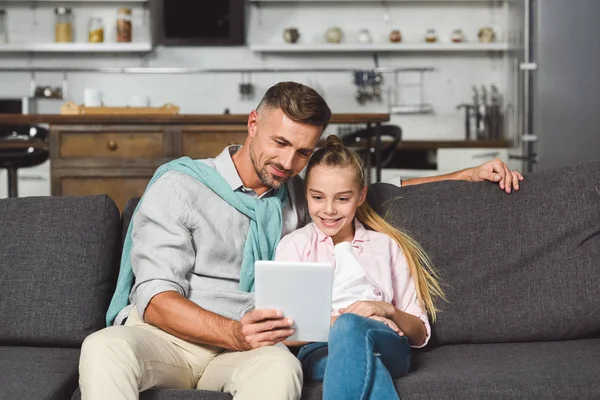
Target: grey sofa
(521, 271)
(57, 272)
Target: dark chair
(21, 146)
(390, 137)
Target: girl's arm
(412, 326)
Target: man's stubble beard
(265, 178)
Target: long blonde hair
(335, 154)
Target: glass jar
(124, 25)
(3, 27)
(95, 31)
(63, 25)
(430, 36)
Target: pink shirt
(383, 262)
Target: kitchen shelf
(73, 1)
(377, 1)
(376, 48)
(408, 109)
(76, 47)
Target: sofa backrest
(523, 266)
(58, 268)
(127, 216)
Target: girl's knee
(348, 323)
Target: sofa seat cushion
(37, 373)
(538, 370)
(173, 394)
(309, 392)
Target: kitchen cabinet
(118, 160)
(118, 155)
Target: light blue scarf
(265, 227)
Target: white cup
(92, 98)
(140, 100)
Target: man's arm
(493, 171)
(163, 255)
(183, 318)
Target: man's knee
(281, 359)
(108, 347)
(273, 362)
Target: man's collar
(225, 166)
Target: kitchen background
(449, 84)
(423, 101)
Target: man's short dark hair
(299, 102)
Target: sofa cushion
(542, 370)
(58, 266)
(523, 266)
(174, 394)
(311, 391)
(37, 373)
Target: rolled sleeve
(405, 295)
(162, 253)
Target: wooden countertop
(180, 119)
(410, 145)
(451, 144)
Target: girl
(383, 282)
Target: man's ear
(252, 123)
(363, 195)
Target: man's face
(280, 147)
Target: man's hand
(260, 328)
(495, 171)
(368, 309)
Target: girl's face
(333, 196)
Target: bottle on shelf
(63, 27)
(124, 27)
(96, 31)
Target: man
(191, 326)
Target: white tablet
(302, 290)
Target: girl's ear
(363, 195)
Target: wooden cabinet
(210, 141)
(112, 144)
(119, 188)
(118, 154)
(120, 160)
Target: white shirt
(350, 283)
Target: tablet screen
(301, 290)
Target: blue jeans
(360, 361)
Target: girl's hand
(368, 309)
(389, 323)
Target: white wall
(449, 84)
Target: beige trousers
(118, 362)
